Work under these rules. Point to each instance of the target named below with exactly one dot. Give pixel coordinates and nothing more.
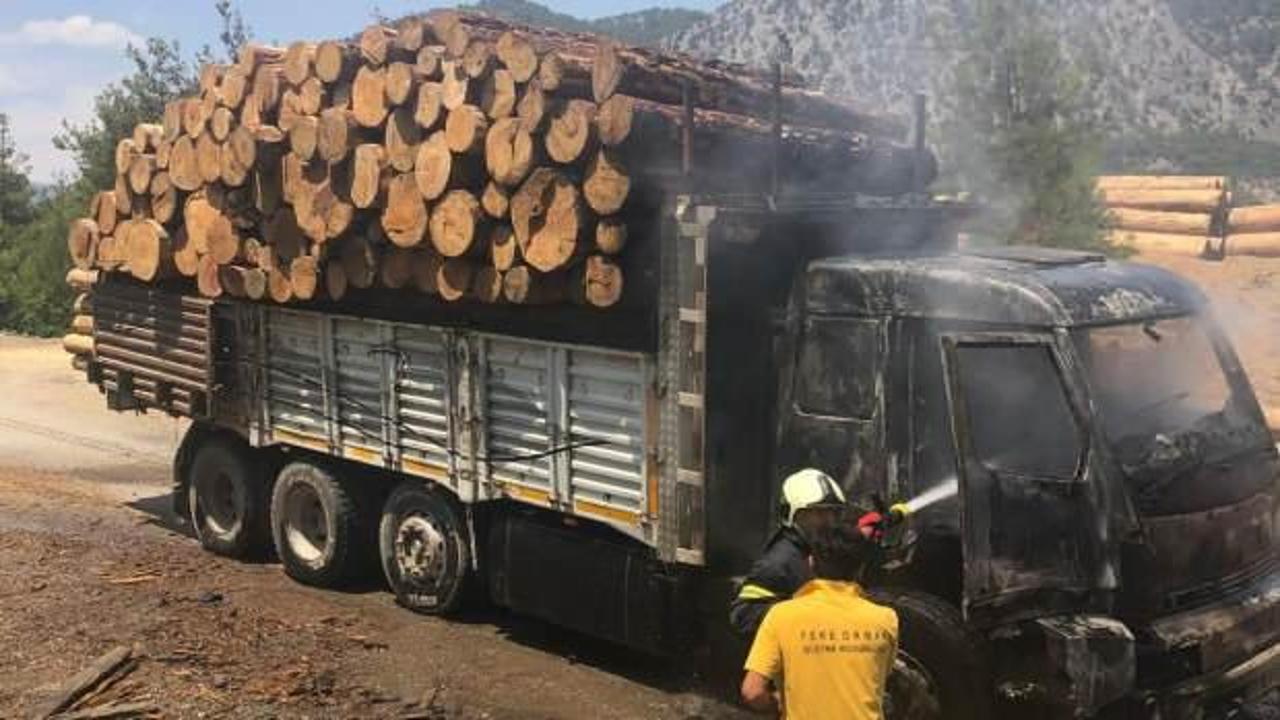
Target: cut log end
(82, 243)
(455, 222)
(597, 282)
(547, 214)
(369, 97)
(607, 184)
(510, 152)
(571, 133)
(454, 278)
(465, 129)
(405, 217)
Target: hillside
(646, 27)
(1176, 76)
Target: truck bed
(566, 427)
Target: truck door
(1029, 523)
(834, 399)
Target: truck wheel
(315, 522)
(425, 551)
(227, 499)
(940, 671)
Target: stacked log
(79, 338)
(1254, 231)
(1166, 214)
(456, 155)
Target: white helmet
(807, 489)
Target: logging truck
(384, 278)
(1111, 548)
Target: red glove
(871, 525)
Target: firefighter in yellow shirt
(826, 653)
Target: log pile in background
(1173, 214)
(452, 154)
(1254, 231)
(1187, 215)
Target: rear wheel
(940, 672)
(316, 525)
(227, 500)
(425, 549)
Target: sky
(55, 55)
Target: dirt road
(91, 558)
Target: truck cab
(1109, 546)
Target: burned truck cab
(1105, 485)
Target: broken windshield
(1167, 407)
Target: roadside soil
(91, 557)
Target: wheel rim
(420, 551)
(219, 500)
(912, 693)
(306, 529)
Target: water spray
(936, 494)
(874, 525)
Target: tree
(15, 187)
(33, 257)
(1023, 133)
(159, 76)
(235, 33)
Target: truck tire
(941, 669)
(227, 498)
(425, 549)
(317, 526)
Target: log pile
(455, 155)
(1254, 231)
(79, 338)
(1172, 214)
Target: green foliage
(159, 75)
(33, 260)
(1022, 137)
(15, 188)
(33, 253)
(1194, 153)
(234, 34)
(646, 27)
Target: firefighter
(828, 651)
(811, 501)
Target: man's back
(830, 650)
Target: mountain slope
(645, 27)
(1165, 66)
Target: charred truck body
(1111, 548)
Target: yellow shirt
(830, 650)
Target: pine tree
(159, 75)
(1023, 136)
(16, 195)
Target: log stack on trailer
(1171, 214)
(459, 156)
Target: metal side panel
(358, 376)
(296, 390)
(517, 402)
(423, 401)
(606, 404)
(158, 343)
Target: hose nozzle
(900, 511)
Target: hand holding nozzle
(875, 524)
